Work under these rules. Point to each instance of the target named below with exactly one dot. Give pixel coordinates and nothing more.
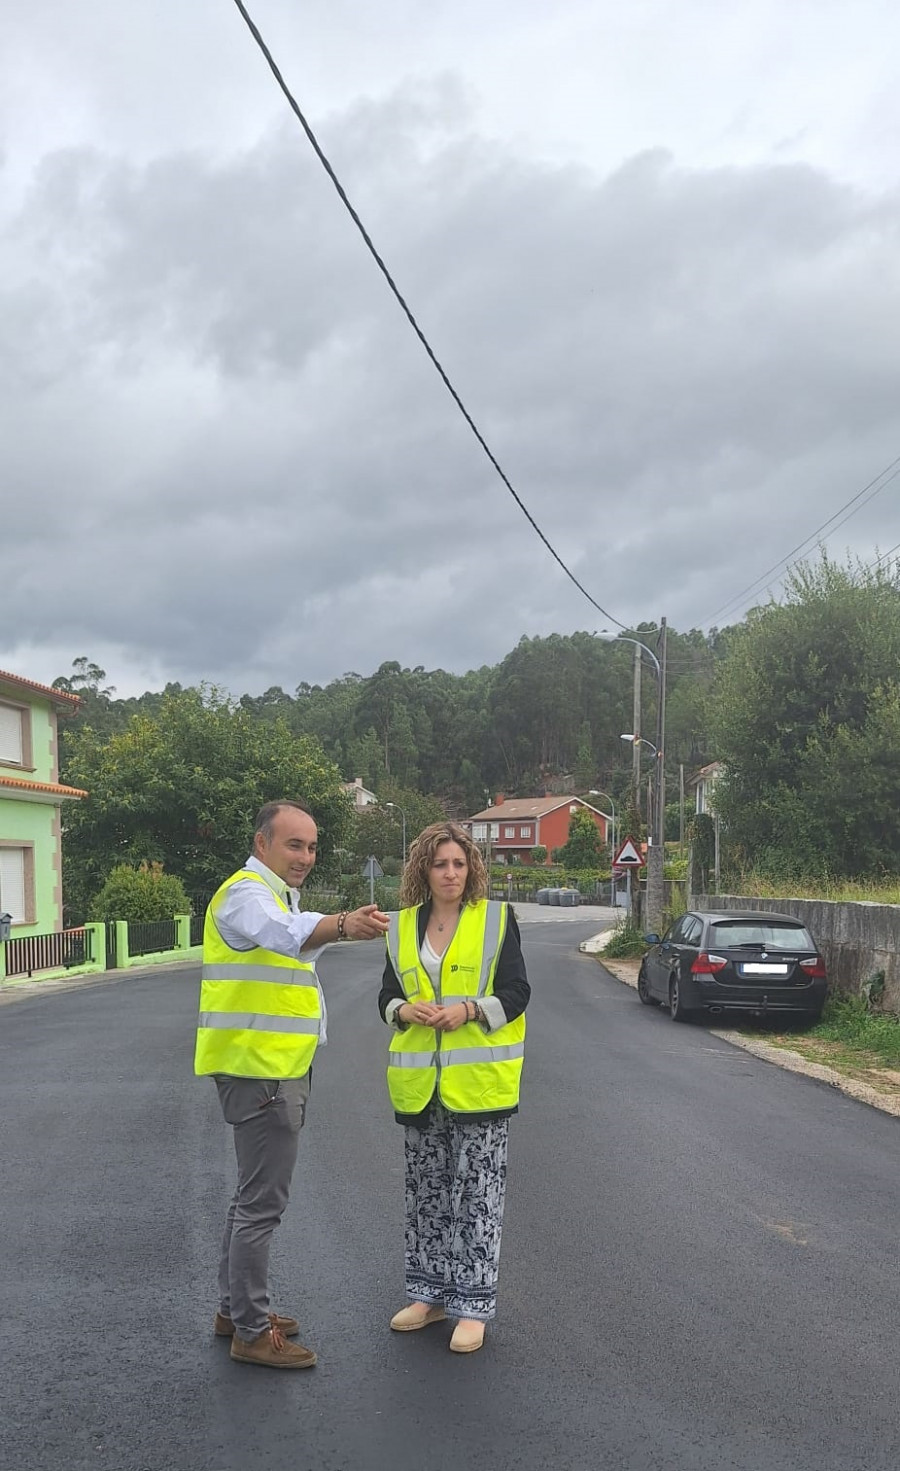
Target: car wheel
(643, 989)
(677, 1009)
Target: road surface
(700, 1263)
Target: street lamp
(596, 792)
(403, 817)
(621, 638)
(656, 813)
(627, 736)
(655, 818)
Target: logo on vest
(470, 969)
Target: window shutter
(12, 883)
(10, 734)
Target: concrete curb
(782, 1057)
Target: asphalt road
(700, 1265)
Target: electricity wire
(883, 557)
(314, 143)
(854, 504)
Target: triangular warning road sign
(629, 855)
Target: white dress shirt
(250, 916)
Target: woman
(455, 991)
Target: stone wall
(856, 939)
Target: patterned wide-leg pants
(455, 1187)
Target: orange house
(517, 826)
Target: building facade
(31, 799)
(516, 826)
(359, 795)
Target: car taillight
(814, 968)
(707, 964)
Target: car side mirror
(651, 939)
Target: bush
(140, 895)
(627, 941)
(539, 854)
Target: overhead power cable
(883, 557)
(854, 504)
(292, 102)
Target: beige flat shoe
(468, 1336)
(417, 1315)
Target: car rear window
(732, 933)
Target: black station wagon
(730, 961)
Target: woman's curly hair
(414, 888)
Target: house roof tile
(518, 809)
(53, 787)
(30, 686)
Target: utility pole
(656, 889)
(661, 737)
(636, 731)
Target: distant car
(732, 961)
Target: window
(509, 832)
(495, 831)
(739, 934)
(479, 832)
(693, 930)
(15, 735)
(17, 883)
(526, 830)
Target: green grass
(850, 1037)
(847, 1021)
(884, 890)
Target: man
(262, 1016)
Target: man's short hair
(265, 817)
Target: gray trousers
(267, 1117)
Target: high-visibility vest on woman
(260, 1012)
(473, 1071)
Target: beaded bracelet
(342, 917)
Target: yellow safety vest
(473, 1071)
(260, 1012)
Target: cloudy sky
(656, 247)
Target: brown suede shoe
(272, 1350)
(224, 1328)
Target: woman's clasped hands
(429, 1014)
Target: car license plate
(757, 968)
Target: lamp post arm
(622, 639)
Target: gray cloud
(225, 456)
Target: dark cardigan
(510, 987)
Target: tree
(584, 759)
(584, 848)
(182, 788)
(378, 829)
(806, 715)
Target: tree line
(800, 701)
